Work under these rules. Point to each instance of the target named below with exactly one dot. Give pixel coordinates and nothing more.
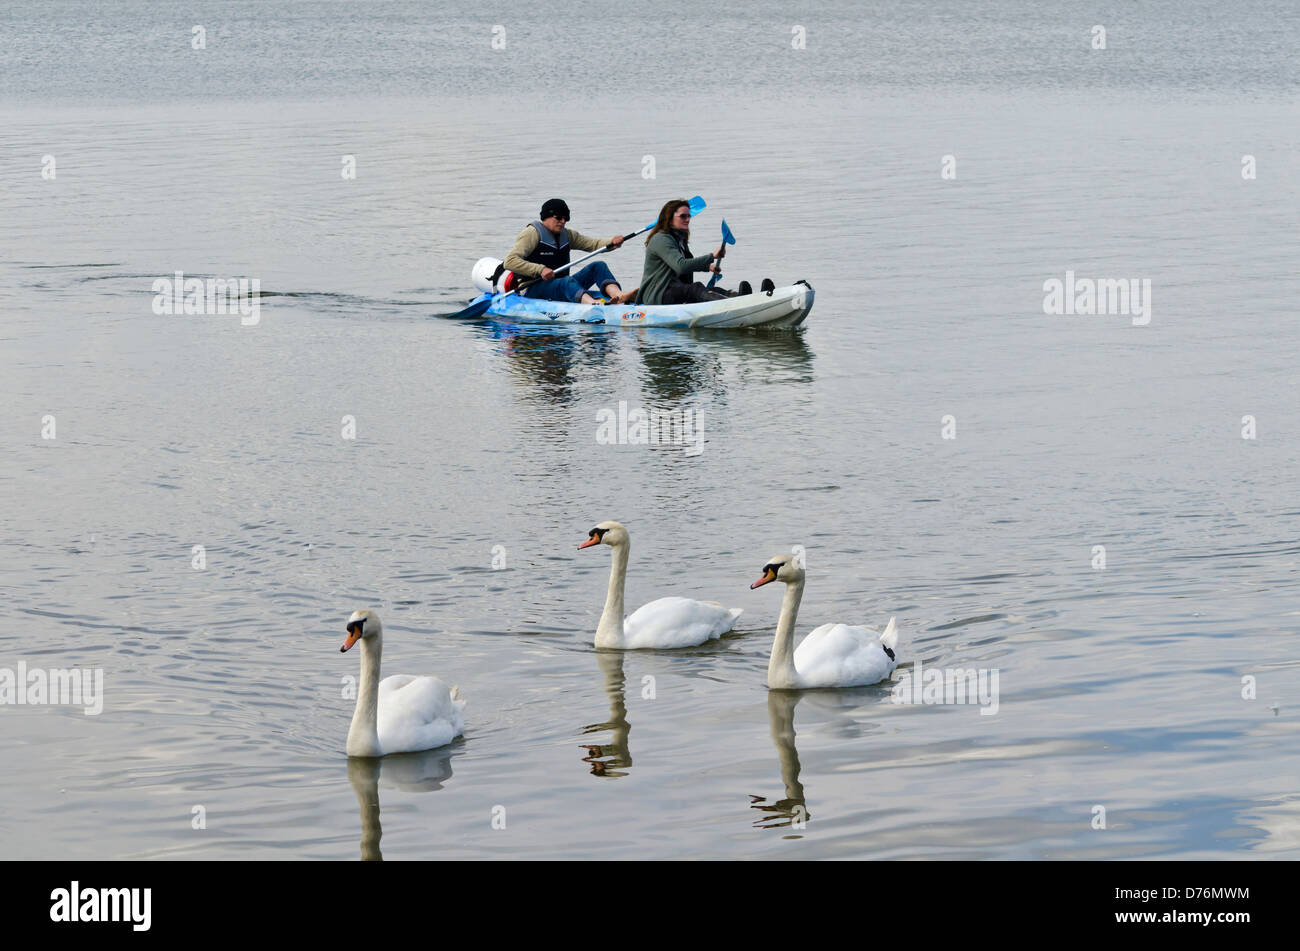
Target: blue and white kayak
(783, 307)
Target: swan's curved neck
(610, 631)
(780, 668)
(363, 736)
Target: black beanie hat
(554, 206)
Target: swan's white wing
(839, 655)
(677, 622)
(417, 713)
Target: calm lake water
(476, 470)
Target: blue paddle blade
(727, 238)
(476, 309)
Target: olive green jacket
(665, 262)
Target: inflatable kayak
(783, 307)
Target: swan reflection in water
(792, 811)
(611, 760)
(839, 711)
(407, 772)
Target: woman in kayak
(666, 277)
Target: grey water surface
(476, 467)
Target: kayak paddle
(727, 238)
(481, 307)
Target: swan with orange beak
(402, 713)
(833, 655)
(665, 623)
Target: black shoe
(768, 287)
(743, 288)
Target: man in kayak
(666, 278)
(543, 247)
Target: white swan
(665, 623)
(833, 655)
(400, 714)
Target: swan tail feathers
(890, 636)
(735, 612)
(455, 692)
